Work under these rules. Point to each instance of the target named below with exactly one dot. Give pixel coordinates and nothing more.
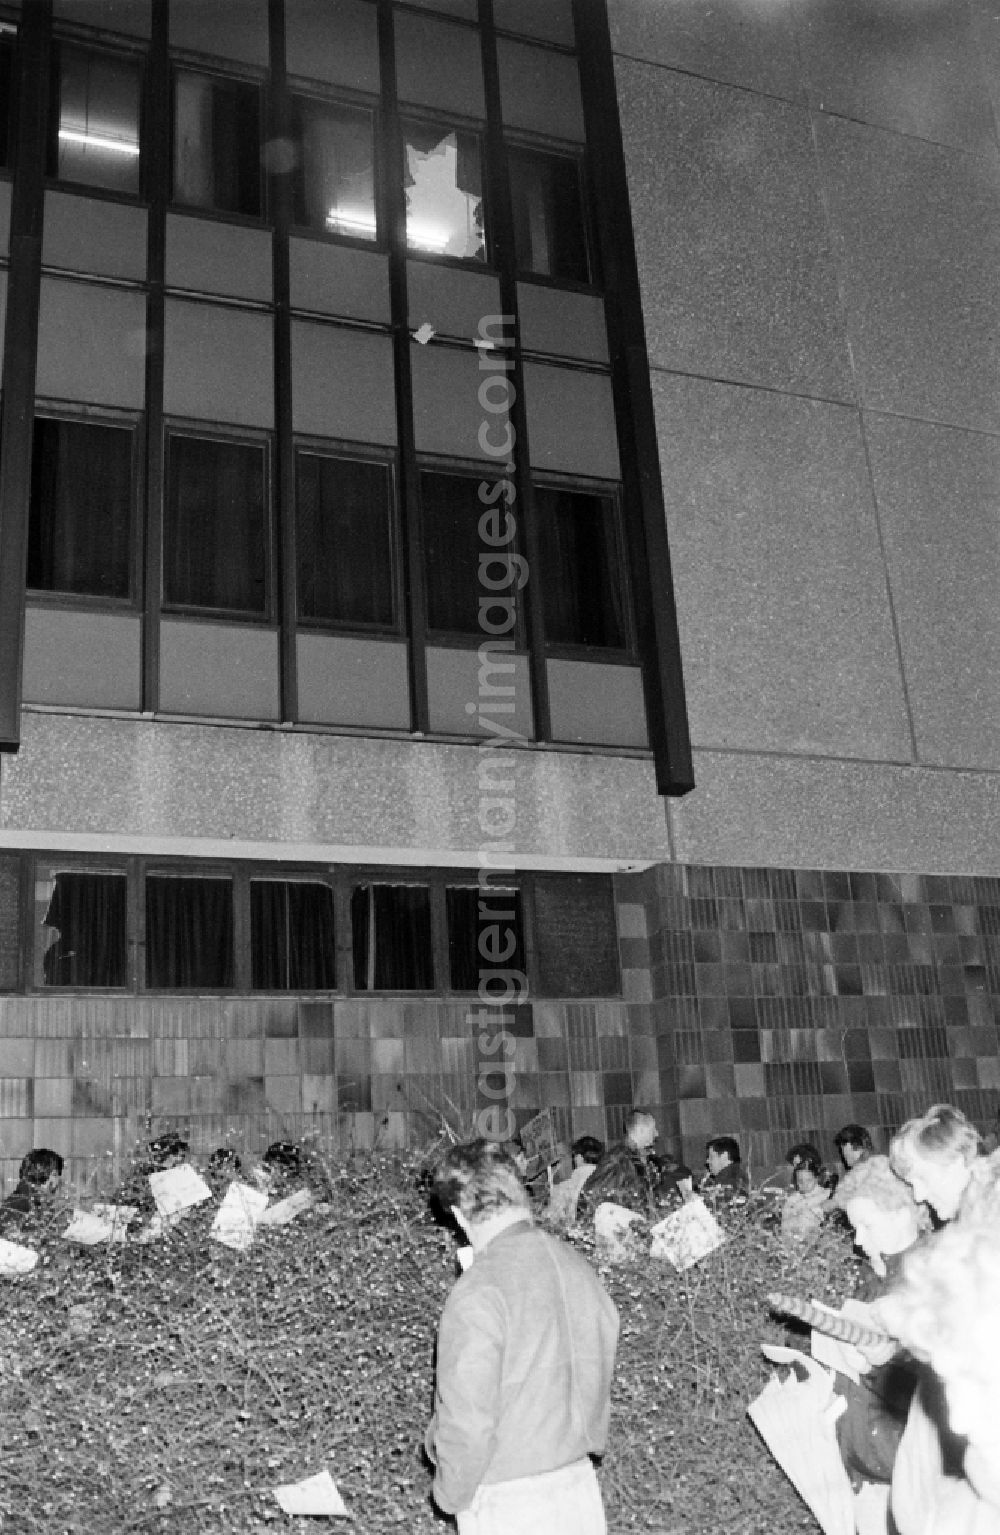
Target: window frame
(131, 422)
(451, 122)
(612, 492)
(308, 91)
(46, 866)
(456, 468)
(179, 64)
(341, 879)
(365, 453)
(175, 427)
(102, 49)
(551, 149)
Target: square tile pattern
(773, 1004)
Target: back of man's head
(39, 1166)
(479, 1180)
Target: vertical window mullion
(409, 494)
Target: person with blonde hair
(946, 1312)
(936, 1154)
(881, 1207)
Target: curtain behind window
(391, 932)
(214, 535)
(189, 932)
(471, 913)
(292, 936)
(86, 931)
(81, 508)
(344, 540)
(452, 546)
(582, 585)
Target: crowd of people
(527, 1338)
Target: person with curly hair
(938, 1156)
(946, 1312)
(525, 1356)
(881, 1207)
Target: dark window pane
(452, 546)
(549, 230)
(189, 932)
(6, 97)
(214, 543)
(344, 540)
(217, 160)
(444, 191)
(582, 587)
(333, 186)
(391, 935)
(85, 930)
(10, 921)
(291, 936)
(97, 133)
(81, 505)
(485, 936)
(576, 936)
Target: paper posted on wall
(315, 1496)
(16, 1260)
(101, 1223)
(177, 1189)
(237, 1217)
(687, 1236)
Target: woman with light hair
(883, 1211)
(947, 1313)
(938, 1156)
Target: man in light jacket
(525, 1356)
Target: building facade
(365, 480)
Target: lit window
(444, 191)
(84, 925)
(583, 588)
(81, 508)
(333, 187)
(189, 932)
(215, 525)
(549, 228)
(391, 935)
(217, 146)
(291, 936)
(485, 936)
(344, 541)
(97, 120)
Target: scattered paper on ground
(688, 1235)
(237, 1217)
(101, 1223)
(15, 1259)
(316, 1495)
(178, 1188)
(612, 1228)
(286, 1210)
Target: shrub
(169, 1388)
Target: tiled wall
(789, 1002)
(773, 1004)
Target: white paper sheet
(316, 1496)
